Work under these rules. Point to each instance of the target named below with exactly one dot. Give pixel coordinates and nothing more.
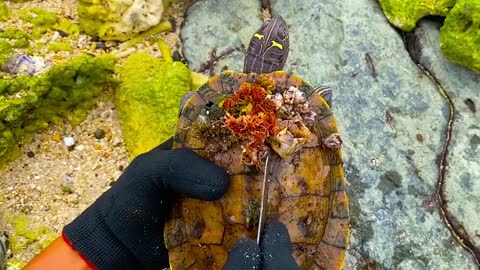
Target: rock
(225, 37)
(381, 101)
(118, 20)
(4, 12)
(460, 34)
(65, 91)
(30, 154)
(99, 134)
(69, 142)
(20, 64)
(462, 182)
(148, 100)
(404, 14)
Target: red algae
(252, 116)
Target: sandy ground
(49, 183)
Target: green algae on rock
(118, 20)
(59, 46)
(12, 38)
(69, 27)
(27, 233)
(404, 14)
(66, 91)
(6, 49)
(148, 99)
(41, 19)
(460, 34)
(4, 12)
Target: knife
(264, 199)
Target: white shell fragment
(294, 112)
(333, 141)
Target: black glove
(123, 228)
(274, 253)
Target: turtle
(306, 177)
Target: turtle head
(268, 48)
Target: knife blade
(264, 198)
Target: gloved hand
(123, 229)
(274, 252)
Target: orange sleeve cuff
(60, 254)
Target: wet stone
(207, 27)
(462, 85)
(177, 56)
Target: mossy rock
(118, 20)
(65, 92)
(41, 19)
(4, 11)
(28, 234)
(148, 100)
(12, 38)
(404, 14)
(460, 34)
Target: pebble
(100, 45)
(62, 33)
(69, 142)
(79, 147)
(99, 133)
(178, 57)
(56, 137)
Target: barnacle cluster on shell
(293, 116)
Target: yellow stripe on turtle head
(276, 44)
(257, 35)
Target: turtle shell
(306, 190)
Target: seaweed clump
(66, 91)
(251, 115)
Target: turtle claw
(326, 92)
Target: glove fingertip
(245, 254)
(276, 233)
(277, 248)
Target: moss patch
(41, 19)
(6, 49)
(66, 91)
(460, 34)
(404, 14)
(4, 12)
(69, 27)
(148, 100)
(28, 234)
(59, 46)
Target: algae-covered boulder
(404, 14)
(460, 34)
(66, 91)
(42, 20)
(148, 99)
(118, 19)
(4, 12)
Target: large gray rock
(119, 19)
(462, 182)
(392, 118)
